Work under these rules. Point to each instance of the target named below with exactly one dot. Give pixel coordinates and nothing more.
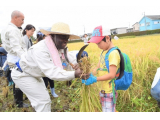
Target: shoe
(10, 83)
(23, 105)
(53, 92)
(18, 96)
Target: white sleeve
(72, 56)
(14, 37)
(156, 78)
(45, 63)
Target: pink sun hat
(99, 33)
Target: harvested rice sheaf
(85, 65)
(89, 94)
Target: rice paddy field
(144, 53)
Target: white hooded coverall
(35, 64)
(13, 43)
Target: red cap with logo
(98, 34)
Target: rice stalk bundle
(89, 94)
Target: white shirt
(38, 63)
(13, 43)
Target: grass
(144, 53)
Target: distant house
(135, 27)
(149, 22)
(118, 30)
(129, 30)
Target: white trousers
(35, 90)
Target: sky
(81, 15)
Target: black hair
(28, 27)
(40, 36)
(104, 39)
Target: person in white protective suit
(155, 88)
(44, 59)
(13, 43)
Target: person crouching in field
(101, 36)
(155, 88)
(72, 54)
(44, 59)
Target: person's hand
(92, 79)
(76, 66)
(85, 76)
(78, 73)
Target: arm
(110, 75)
(156, 78)
(72, 56)
(114, 61)
(45, 63)
(15, 37)
(73, 59)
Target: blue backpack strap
(107, 65)
(121, 64)
(107, 55)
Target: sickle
(65, 55)
(80, 53)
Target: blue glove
(92, 79)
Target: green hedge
(139, 33)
